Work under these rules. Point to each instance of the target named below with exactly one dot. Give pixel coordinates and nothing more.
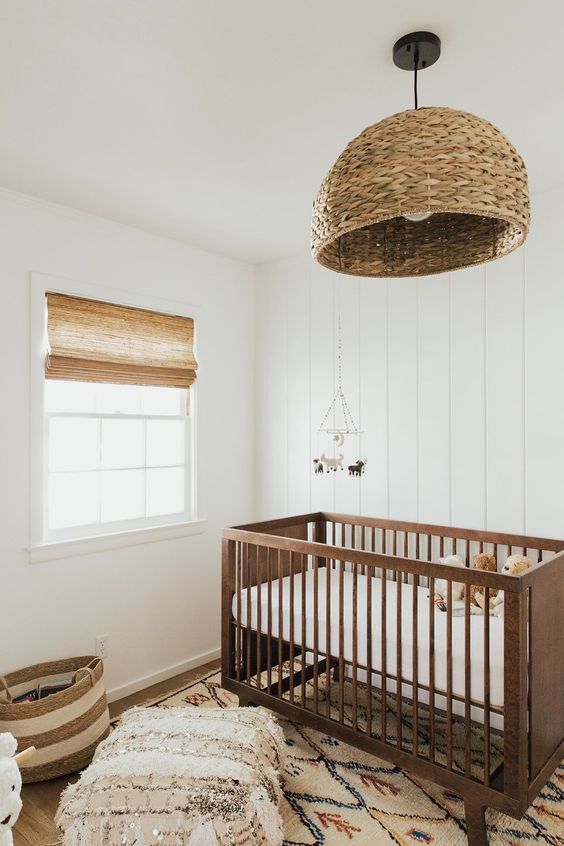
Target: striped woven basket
(65, 727)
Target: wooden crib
(329, 619)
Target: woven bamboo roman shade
(92, 341)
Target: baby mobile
(338, 409)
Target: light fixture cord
(415, 62)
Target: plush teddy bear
(482, 561)
(515, 564)
(441, 585)
(10, 786)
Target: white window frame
(46, 544)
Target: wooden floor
(35, 826)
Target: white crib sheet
(458, 639)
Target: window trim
(111, 535)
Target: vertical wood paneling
(402, 398)
(453, 380)
(505, 398)
(298, 426)
(373, 393)
(271, 393)
(468, 407)
(322, 377)
(545, 369)
(434, 399)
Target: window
(117, 457)
(117, 435)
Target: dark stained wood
(515, 696)
(467, 685)
(415, 657)
(481, 578)
(402, 758)
(476, 831)
(513, 787)
(431, 670)
(354, 668)
(292, 632)
(384, 656)
(487, 739)
(399, 671)
(449, 676)
(546, 662)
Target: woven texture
(180, 776)
(450, 163)
(64, 727)
(92, 341)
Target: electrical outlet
(102, 645)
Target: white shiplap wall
(455, 380)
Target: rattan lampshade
(450, 163)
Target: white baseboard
(169, 672)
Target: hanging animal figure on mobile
(357, 469)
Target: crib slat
(249, 611)
(239, 644)
(399, 726)
(303, 563)
(315, 633)
(369, 647)
(384, 541)
(487, 690)
(269, 621)
(259, 614)
(467, 686)
(280, 622)
(441, 547)
(431, 670)
(384, 668)
(415, 668)
(449, 676)
(355, 648)
(292, 632)
(328, 573)
(341, 641)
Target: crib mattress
(477, 663)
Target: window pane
(61, 395)
(123, 443)
(74, 443)
(73, 499)
(166, 492)
(122, 495)
(118, 399)
(165, 442)
(163, 400)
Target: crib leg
(476, 829)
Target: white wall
(456, 381)
(159, 602)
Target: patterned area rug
(338, 795)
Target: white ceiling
(214, 121)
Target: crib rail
(330, 619)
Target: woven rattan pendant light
(424, 191)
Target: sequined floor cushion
(180, 777)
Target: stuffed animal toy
(482, 561)
(10, 786)
(441, 585)
(515, 564)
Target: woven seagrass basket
(65, 727)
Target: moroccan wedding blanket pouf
(180, 777)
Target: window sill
(100, 543)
